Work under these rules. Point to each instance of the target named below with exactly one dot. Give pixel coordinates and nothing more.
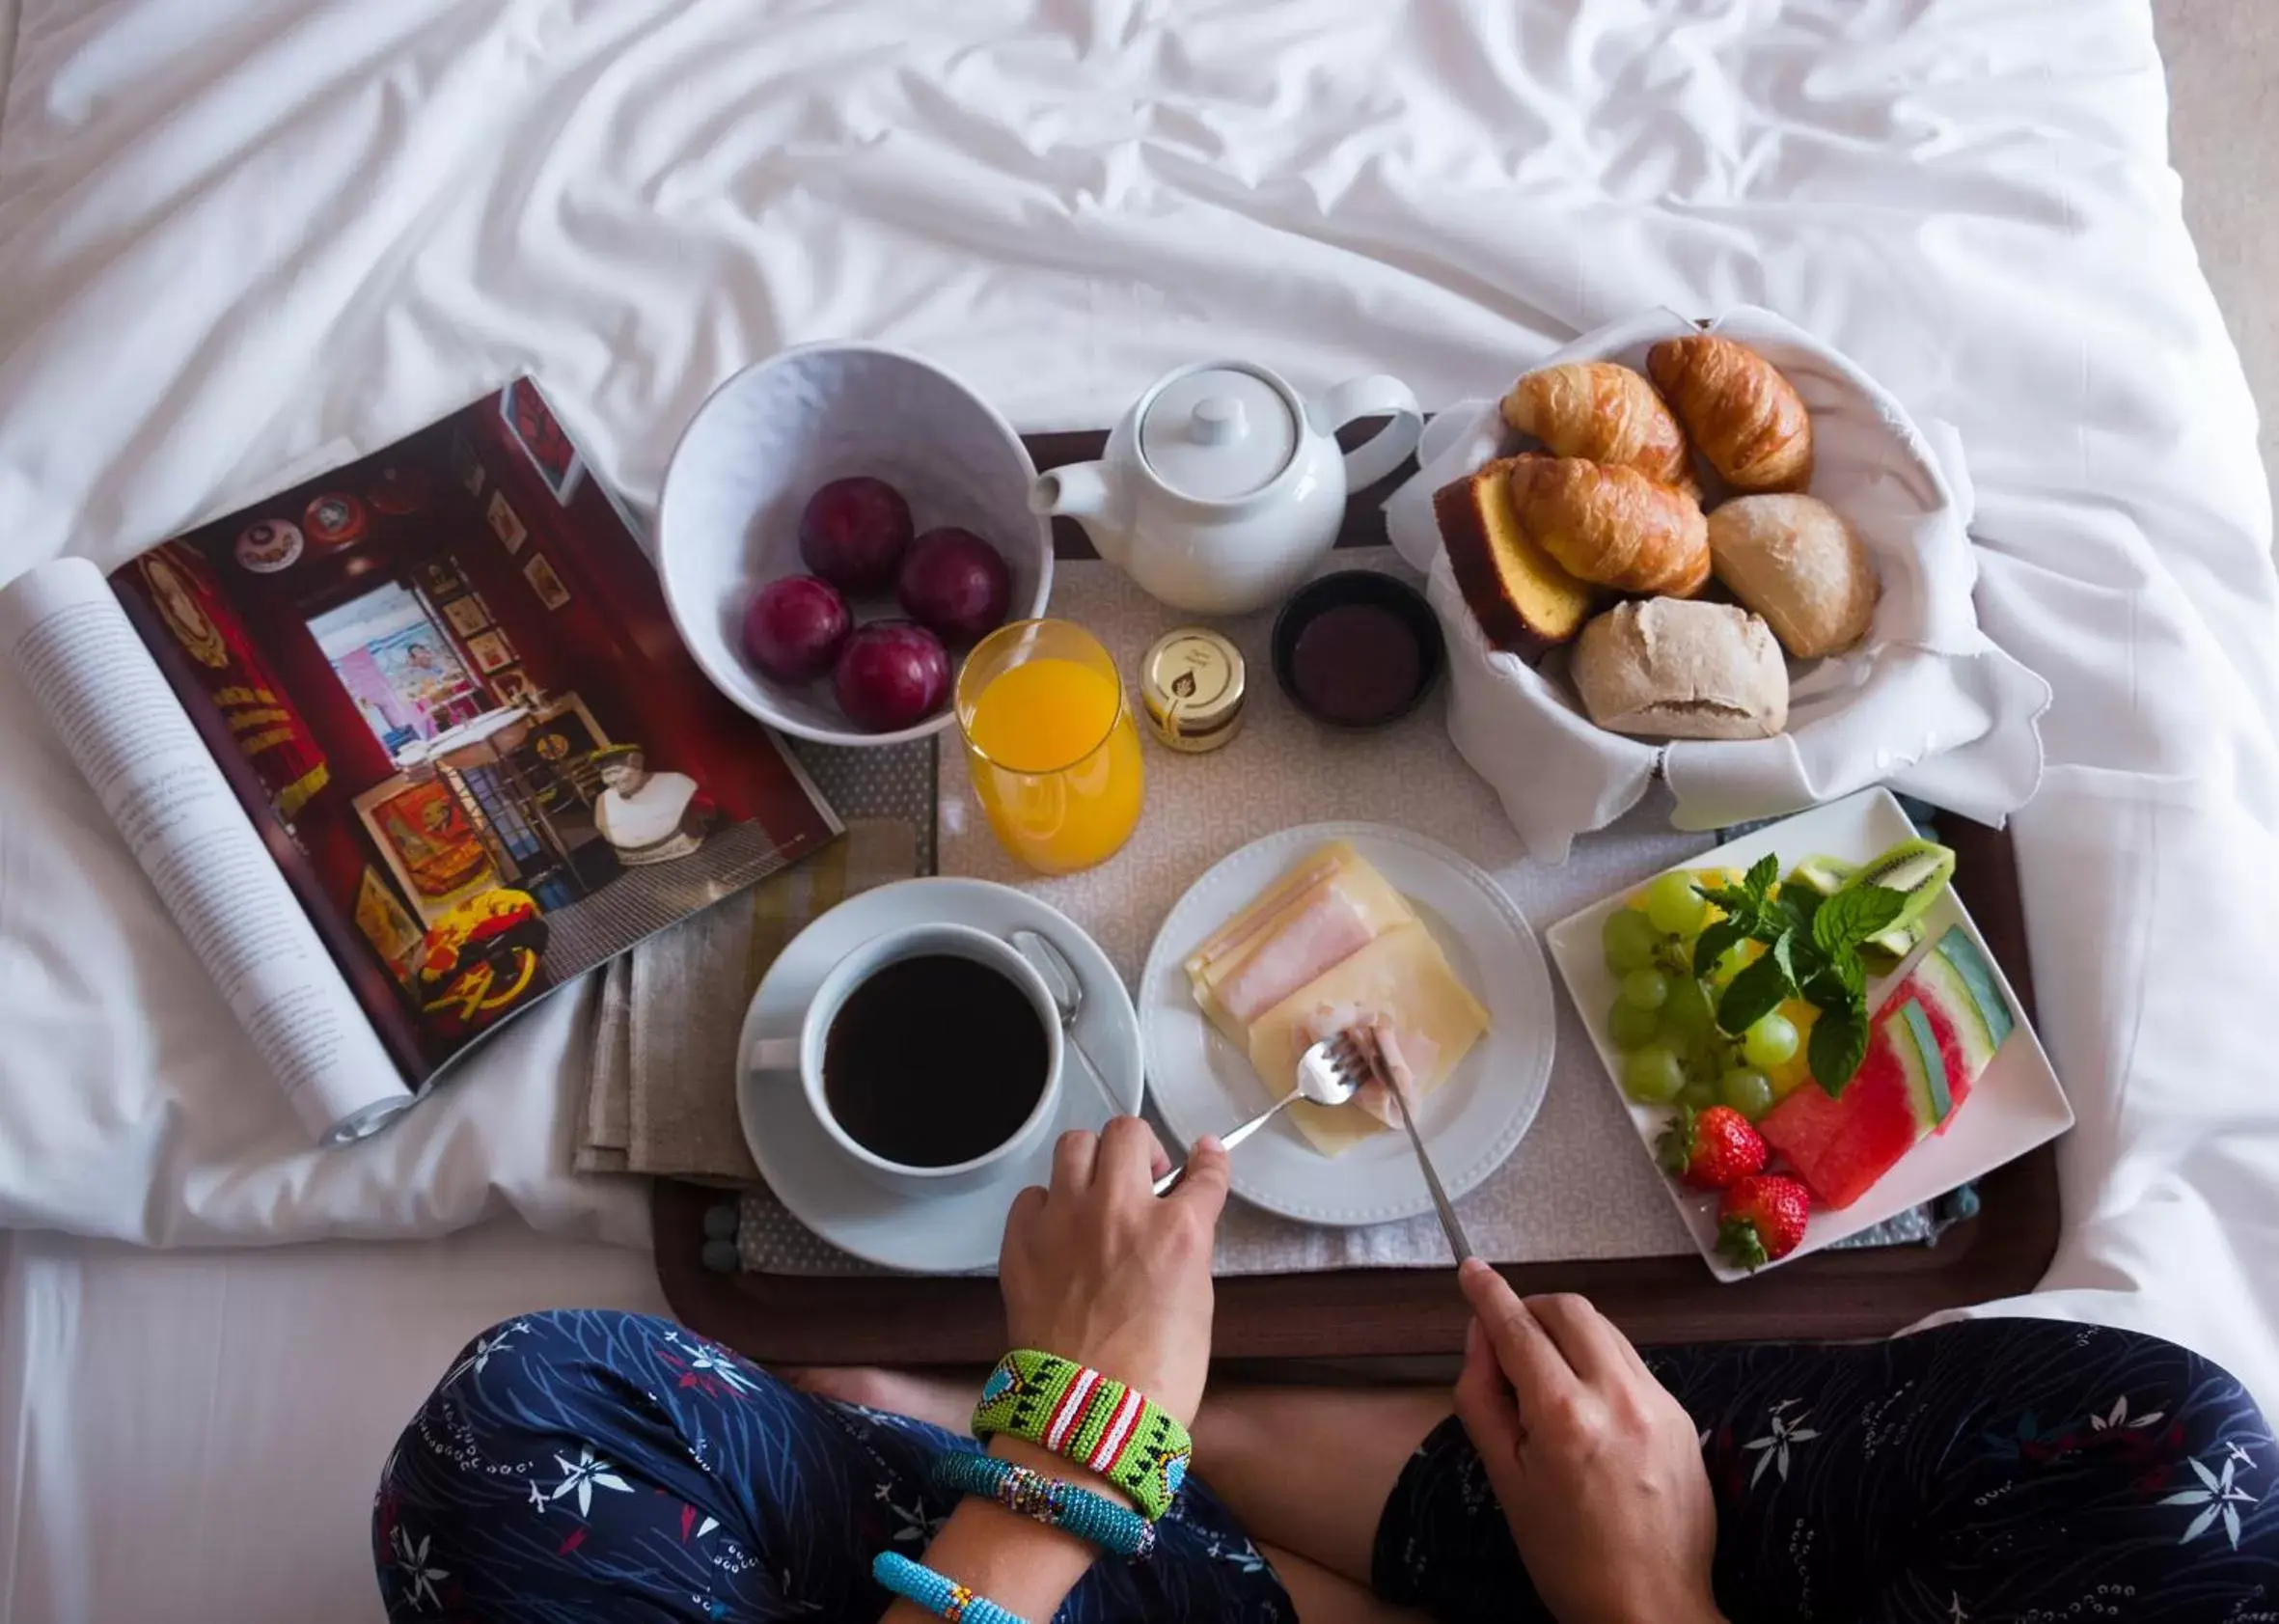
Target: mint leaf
(1763, 876)
(1737, 903)
(1850, 917)
(1755, 992)
(1714, 942)
(1784, 949)
(1803, 902)
(1839, 1043)
(1826, 987)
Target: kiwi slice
(1824, 875)
(1886, 950)
(1917, 869)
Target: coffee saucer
(954, 1233)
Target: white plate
(1203, 1085)
(809, 1175)
(2015, 1105)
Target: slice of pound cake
(1523, 600)
(1935, 1035)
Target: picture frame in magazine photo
(467, 615)
(394, 934)
(532, 425)
(545, 583)
(505, 523)
(477, 782)
(489, 651)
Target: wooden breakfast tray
(1357, 1313)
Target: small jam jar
(1190, 684)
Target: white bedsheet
(195, 1436)
(239, 239)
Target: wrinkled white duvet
(241, 240)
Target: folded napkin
(605, 1119)
(663, 1093)
(1928, 703)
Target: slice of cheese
(1326, 909)
(1401, 976)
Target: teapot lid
(1218, 433)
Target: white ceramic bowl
(758, 448)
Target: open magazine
(407, 747)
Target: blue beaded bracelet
(915, 1581)
(1093, 1518)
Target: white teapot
(1222, 487)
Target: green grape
(1698, 1094)
(1631, 1027)
(1729, 964)
(1673, 906)
(1770, 1042)
(1686, 1011)
(1747, 1091)
(1646, 989)
(1630, 941)
(1652, 1076)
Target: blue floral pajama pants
(595, 1465)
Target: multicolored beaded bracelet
(1092, 1419)
(943, 1598)
(1094, 1519)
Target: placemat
(1578, 1187)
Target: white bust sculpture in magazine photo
(646, 816)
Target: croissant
(1612, 526)
(1743, 415)
(1602, 412)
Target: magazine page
(62, 631)
(444, 679)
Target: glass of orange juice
(1052, 745)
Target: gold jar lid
(1192, 686)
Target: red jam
(1356, 664)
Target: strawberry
(1762, 1219)
(1710, 1149)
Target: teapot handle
(1377, 396)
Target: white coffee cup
(803, 1053)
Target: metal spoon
(1061, 980)
(1328, 1074)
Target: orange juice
(1052, 748)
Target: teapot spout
(1080, 491)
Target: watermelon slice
(1933, 1037)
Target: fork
(1328, 1074)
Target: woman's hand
(1099, 1270)
(1095, 1269)
(1596, 1466)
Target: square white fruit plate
(2015, 1105)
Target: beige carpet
(2223, 81)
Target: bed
(243, 240)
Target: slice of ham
(1238, 932)
(1395, 1062)
(1323, 929)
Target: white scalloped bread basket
(1926, 702)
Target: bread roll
(1612, 525)
(1795, 560)
(1667, 668)
(1603, 413)
(1742, 415)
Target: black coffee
(934, 1060)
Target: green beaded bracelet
(1091, 1420)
